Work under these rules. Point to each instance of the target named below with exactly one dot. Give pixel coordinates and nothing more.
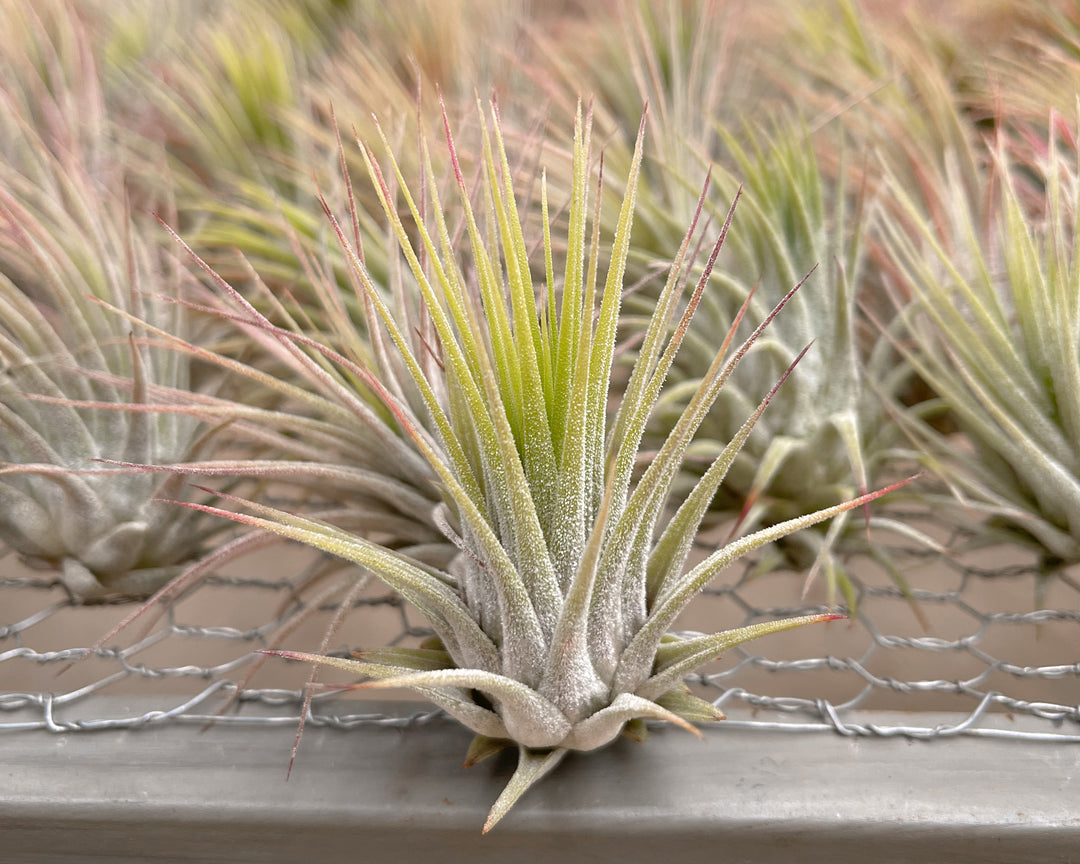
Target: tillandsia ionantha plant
(992, 324)
(75, 381)
(827, 437)
(230, 105)
(693, 63)
(554, 620)
(1039, 78)
(243, 107)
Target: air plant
(990, 319)
(553, 622)
(243, 107)
(827, 437)
(1041, 76)
(693, 65)
(891, 81)
(228, 105)
(75, 383)
(299, 423)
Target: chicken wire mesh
(972, 642)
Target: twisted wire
(970, 671)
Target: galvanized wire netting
(980, 635)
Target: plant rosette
(553, 620)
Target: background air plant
(693, 64)
(992, 326)
(553, 621)
(827, 436)
(75, 383)
(243, 107)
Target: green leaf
(680, 701)
(483, 747)
(637, 658)
(675, 660)
(443, 608)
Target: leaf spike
(635, 520)
(313, 679)
(570, 311)
(443, 607)
(350, 195)
(755, 491)
(670, 552)
(210, 271)
(676, 659)
(658, 324)
(452, 149)
(644, 506)
(683, 589)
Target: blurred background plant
(75, 380)
(993, 327)
(243, 105)
(972, 169)
(105, 359)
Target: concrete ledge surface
(378, 794)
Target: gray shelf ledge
(377, 794)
